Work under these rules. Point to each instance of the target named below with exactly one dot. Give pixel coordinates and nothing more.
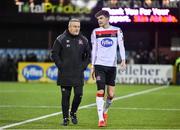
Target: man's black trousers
(65, 101)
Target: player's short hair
(102, 12)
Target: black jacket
(71, 55)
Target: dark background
(25, 30)
(28, 37)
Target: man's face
(102, 20)
(74, 28)
(148, 2)
(165, 2)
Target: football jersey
(104, 46)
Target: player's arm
(93, 53)
(121, 49)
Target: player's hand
(93, 73)
(123, 65)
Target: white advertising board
(145, 74)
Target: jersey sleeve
(94, 47)
(121, 44)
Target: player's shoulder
(98, 29)
(115, 28)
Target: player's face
(102, 20)
(74, 28)
(165, 2)
(148, 2)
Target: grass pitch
(133, 108)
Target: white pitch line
(82, 107)
(138, 93)
(35, 107)
(120, 108)
(150, 109)
(140, 108)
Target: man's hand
(123, 65)
(93, 72)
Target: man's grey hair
(73, 20)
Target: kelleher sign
(145, 74)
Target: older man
(71, 54)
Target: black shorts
(105, 75)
